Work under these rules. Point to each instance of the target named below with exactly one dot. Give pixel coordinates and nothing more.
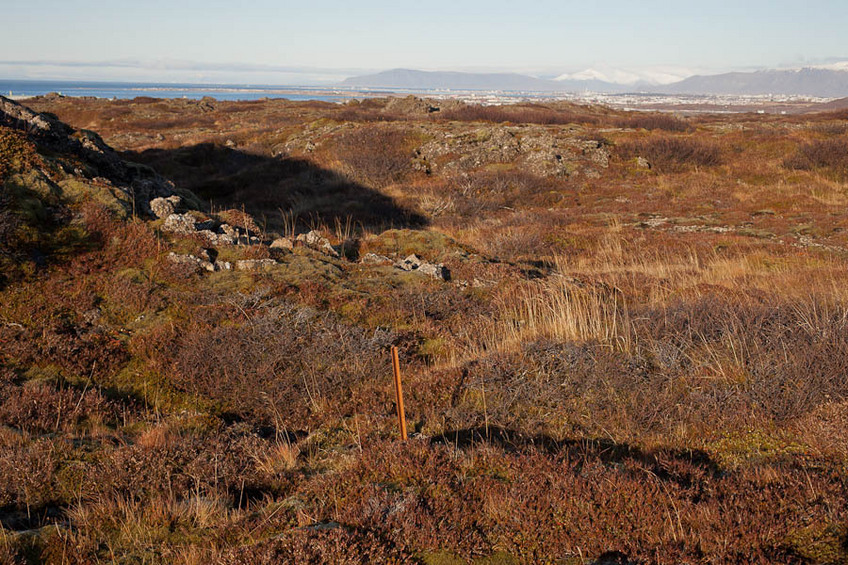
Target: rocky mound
(80, 158)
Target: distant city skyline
(324, 42)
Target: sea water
(28, 88)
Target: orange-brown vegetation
(629, 364)
(672, 154)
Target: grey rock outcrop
(254, 264)
(216, 238)
(411, 106)
(282, 243)
(415, 264)
(224, 234)
(314, 240)
(93, 157)
(539, 150)
(374, 259)
(18, 116)
(202, 264)
(180, 224)
(164, 207)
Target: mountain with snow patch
(630, 77)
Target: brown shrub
(517, 113)
(827, 155)
(672, 154)
(593, 497)
(76, 346)
(374, 155)
(186, 461)
(483, 191)
(117, 242)
(29, 475)
(281, 364)
(167, 123)
(330, 543)
(831, 128)
(16, 152)
(652, 121)
(128, 295)
(9, 224)
(40, 408)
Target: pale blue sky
(165, 40)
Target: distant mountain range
(825, 82)
(406, 79)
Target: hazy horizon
(301, 44)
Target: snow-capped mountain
(629, 77)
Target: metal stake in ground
(399, 393)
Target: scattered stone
(411, 106)
(164, 207)
(216, 238)
(209, 254)
(207, 104)
(179, 223)
(206, 262)
(374, 259)
(642, 163)
(413, 263)
(312, 238)
(254, 264)
(282, 243)
(230, 231)
(315, 240)
(323, 526)
(92, 316)
(197, 262)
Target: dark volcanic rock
(141, 183)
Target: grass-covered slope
(639, 354)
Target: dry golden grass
(589, 297)
(153, 527)
(559, 311)
(279, 457)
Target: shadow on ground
(267, 186)
(667, 464)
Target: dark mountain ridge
(826, 83)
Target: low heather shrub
(827, 155)
(672, 154)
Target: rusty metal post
(398, 393)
